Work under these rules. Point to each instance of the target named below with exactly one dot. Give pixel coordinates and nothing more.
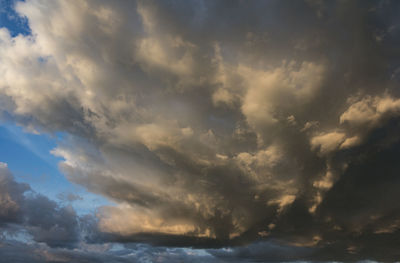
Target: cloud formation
(215, 124)
(34, 228)
(34, 214)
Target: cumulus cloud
(214, 124)
(41, 218)
(36, 229)
(328, 142)
(11, 196)
(369, 111)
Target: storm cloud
(269, 127)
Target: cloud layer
(215, 124)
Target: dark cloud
(44, 220)
(266, 124)
(13, 251)
(36, 229)
(49, 223)
(263, 251)
(11, 197)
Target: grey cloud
(215, 124)
(11, 197)
(264, 252)
(49, 232)
(13, 251)
(44, 220)
(69, 197)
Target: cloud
(327, 142)
(369, 111)
(19, 252)
(36, 229)
(42, 219)
(10, 197)
(69, 197)
(263, 251)
(267, 92)
(213, 124)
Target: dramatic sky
(199, 131)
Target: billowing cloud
(36, 229)
(11, 196)
(39, 217)
(215, 124)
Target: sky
(199, 131)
